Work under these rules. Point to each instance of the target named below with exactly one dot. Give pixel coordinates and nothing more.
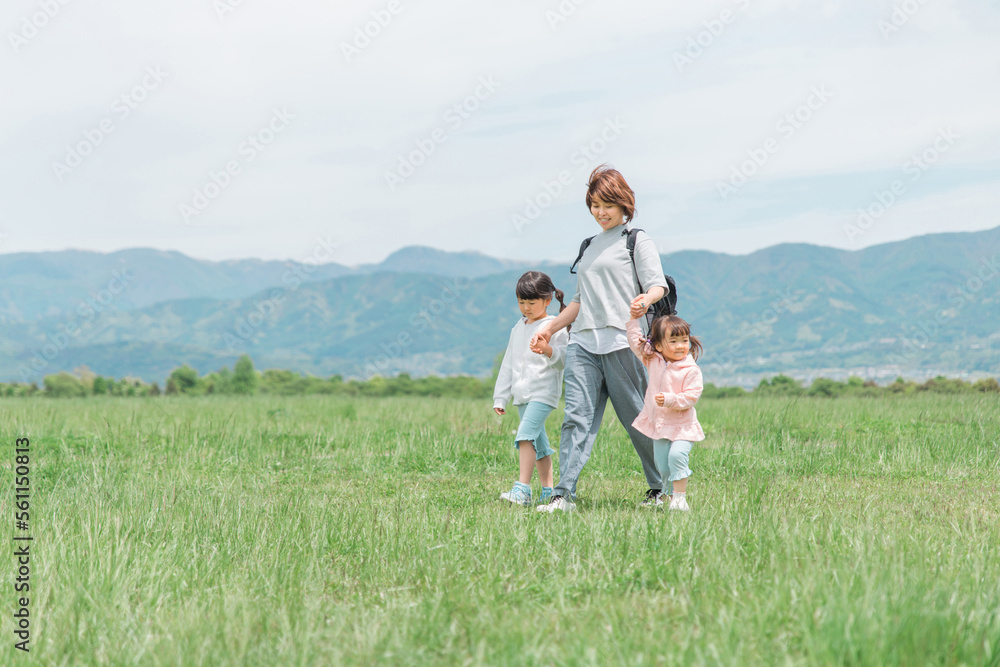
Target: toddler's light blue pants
(672, 460)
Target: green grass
(327, 530)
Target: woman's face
(607, 215)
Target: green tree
(63, 385)
(186, 381)
(987, 385)
(245, 378)
(100, 386)
(826, 387)
(780, 385)
(220, 382)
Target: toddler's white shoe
(679, 505)
(558, 503)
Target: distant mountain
(917, 307)
(34, 286)
(421, 259)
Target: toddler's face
(533, 309)
(674, 348)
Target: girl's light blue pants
(672, 460)
(532, 427)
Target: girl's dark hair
(664, 328)
(537, 285)
(609, 186)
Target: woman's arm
(648, 270)
(561, 321)
(558, 350)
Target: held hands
(540, 342)
(542, 348)
(639, 306)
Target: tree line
(245, 380)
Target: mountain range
(920, 307)
(35, 286)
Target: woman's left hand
(639, 306)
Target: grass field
(328, 530)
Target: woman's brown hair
(609, 186)
(666, 327)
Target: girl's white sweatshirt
(526, 376)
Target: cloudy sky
(244, 128)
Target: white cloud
(686, 129)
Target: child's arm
(636, 341)
(689, 395)
(502, 389)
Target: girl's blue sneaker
(520, 494)
(546, 495)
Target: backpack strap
(583, 249)
(630, 244)
(669, 299)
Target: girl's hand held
(659, 399)
(541, 337)
(543, 348)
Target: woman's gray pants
(590, 380)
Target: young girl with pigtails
(668, 416)
(533, 378)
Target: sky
(345, 131)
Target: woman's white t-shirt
(606, 285)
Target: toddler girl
(675, 384)
(534, 381)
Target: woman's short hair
(609, 186)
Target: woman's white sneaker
(558, 503)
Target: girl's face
(674, 348)
(607, 215)
(533, 309)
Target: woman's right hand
(500, 411)
(639, 306)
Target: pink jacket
(681, 383)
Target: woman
(599, 363)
